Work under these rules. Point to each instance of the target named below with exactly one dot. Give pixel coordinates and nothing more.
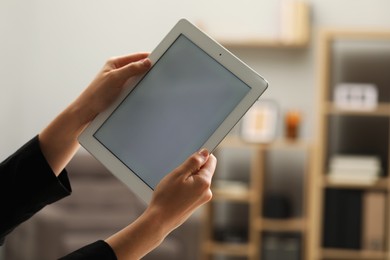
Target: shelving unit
(253, 198)
(359, 57)
(295, 36)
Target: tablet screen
(171, 112)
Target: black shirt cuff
(98, 250)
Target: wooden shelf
(232, 249)
(296, 36)
(221, 194)
(281, 225)
(264, 43)
(352, 254)
(252, 194)
(380, 184)
(350, 123)
(237, 142)
(356, 34)
(383, 109)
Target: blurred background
(270, 198)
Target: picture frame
(259, 124)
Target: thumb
(193, 163)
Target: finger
(193, 163)
(133, 68)
(208, 169)
(119, 62)
(204, 177)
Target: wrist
(156, 221)
(138, 238)
(83, 113)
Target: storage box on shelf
(238, 222)
(350, 206)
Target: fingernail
(204, 153)
(145, 62)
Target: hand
(181, 192)
(175, 198)
(59, 139)
(108, 84)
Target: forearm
(139, 238)
(59, 139)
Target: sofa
(99, 206)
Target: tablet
(191, 97)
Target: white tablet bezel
(256, 83)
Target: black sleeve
(27, 184)
(98, 250)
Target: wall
(51, 49)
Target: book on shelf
(354, 219)
(354, 168)
(350, 161)
(374, 212)
(293, 22)
(342, 226)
